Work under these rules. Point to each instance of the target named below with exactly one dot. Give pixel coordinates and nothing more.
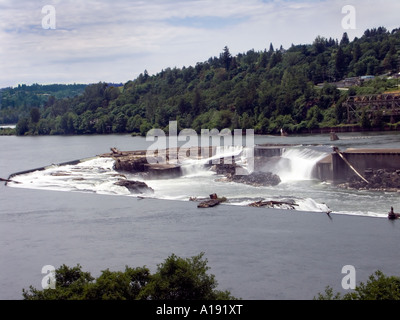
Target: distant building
(350, 82)
(366, 78)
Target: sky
(94, 41)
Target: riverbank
(5, 130)
(351, 128)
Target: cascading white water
(297, 164)
(295, 168)
(230, 154)
(243, 157)
(194, 167)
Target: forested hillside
(17, 102)
(266, 90)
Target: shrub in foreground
(175, 279)
(378, 287)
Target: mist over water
(298, 163)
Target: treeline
(266, 90)
(16, 103)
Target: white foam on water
(98, 176)
(311, 205)
(241, 156)
(297, 164)
(363, 214)
(297, 204)
(95, 175)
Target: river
(256, 253)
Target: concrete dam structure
(339, 166)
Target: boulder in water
(334, 136)
(208, 203)
(392, 215)
(135, 186)
(256, 179)
(379, 180)
(213, 201)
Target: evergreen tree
(340, 63)
(226, 58)
(345, 40)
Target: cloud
(99, 40)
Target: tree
(357, 53)
(35, 115)
(175, 279)
(365, 122)
(319, 45)
(145, 127)
(119, 125)
(345, 40)
(226, 58)
(22, 126)
(340, 63)
(183, 279)
(117, 285)
(271, 49)
(378, 287)
(71, 284)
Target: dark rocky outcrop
(162, 171)
(137, 187)
(136, 162)
(378, 180)
(333, 136)
(392, 215)
(212, 201)
(274, 204)
(133, 164)
(208, 203)
(256, 179)
(224, 169)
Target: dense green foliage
(378, 287)
(7, 131)
(266, 91)
(176, 279)
(16, 103)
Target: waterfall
(241, 156)
(298, 163)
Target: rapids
(294, 167)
